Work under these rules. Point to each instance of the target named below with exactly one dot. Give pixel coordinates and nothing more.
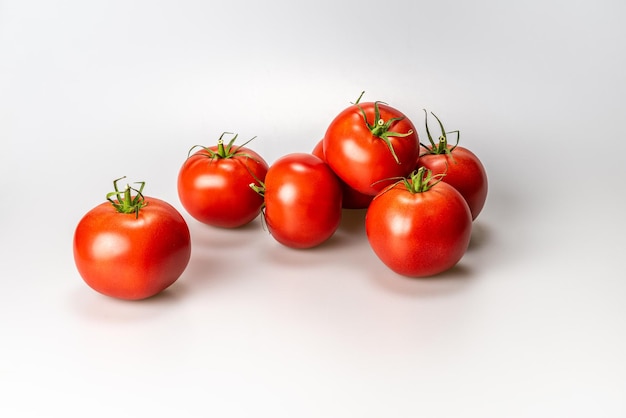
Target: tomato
(370, 145)
(131, 247)
(463, 168)
(419, 226)
(302, 200)
(213, 184)
(351, 198)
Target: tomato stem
(381, 128)
(259, 188)
(223, 150)
(419, 181)
(441, 147)
(422, 180)
(125, 202)
(359, 99)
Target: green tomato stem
(381, 129)
(125, 202)
(259, 188)
(223, 150)
(422, 180)
(441, 146)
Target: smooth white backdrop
(531, 323)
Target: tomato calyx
(125, 202)
(381, 128)
(441, 147)
(359, 99)
(259, 188)
(422, 180)
(419, 181)
(223, 151)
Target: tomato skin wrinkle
(419, 234)
(303, 201)
(363, 160)
(132, 256)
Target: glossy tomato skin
(215, 191)
(351, 198)
(419, 234)
(128, 257)
(363, 160)
(302, 200)
(464, 171)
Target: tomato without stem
(213, 184)
(463, 169)
(367, 144)
(302, 200)
(419, 227)
(133, 255)
(351, 198)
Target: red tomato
(131, 247)
(419, 227)
(351, 198)
(369, 144)
(463, 168)
(302, 200)
(213, 184)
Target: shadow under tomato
(450, 281)
(353, 221)
(214, 237)
(209, 266)
(280, 254)
(480, 236)
(99, 307)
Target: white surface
(532, 323)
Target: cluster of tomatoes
(420, 199)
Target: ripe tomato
(419, 226)
(213, 184)
(131, 247)
(368, 144)
(463, 168)
(351, 198)
(302, 200)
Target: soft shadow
(207, 267)
(481, 234)
(448, 282)
(349, 233)
(352, 221)
(215, 252)
(95, 306)
(215, 237)
(304, 257)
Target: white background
(531, 323)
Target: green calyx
(259, 188)
(223, 150)
(124, 201)
(421, 180)
(440, 147)
(381, 128)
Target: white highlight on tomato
(287, 193)
(209, 181)
(110, 243)
(355, 152)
